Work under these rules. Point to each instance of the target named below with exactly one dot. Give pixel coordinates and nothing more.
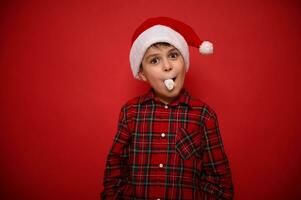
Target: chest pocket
(189, 144)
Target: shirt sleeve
(216, 181)
(116, 170)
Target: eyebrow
(174, 48)
(156, 54)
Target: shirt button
(161, 165)
(163, 135)
(166, 106)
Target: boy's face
(159, 63)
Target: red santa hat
(164, 29)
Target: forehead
(159, 48)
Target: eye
(154, 60)
(173, 55)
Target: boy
(168, 144)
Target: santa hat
(164, 29)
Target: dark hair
(158, 44)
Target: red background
(65, 74)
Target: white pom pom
(169, 83)
(206, 48)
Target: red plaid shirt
(167, 152)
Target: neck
(164, 99)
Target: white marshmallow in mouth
(169, 83)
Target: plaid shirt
(168, 152)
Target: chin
(166, 94)
(174, 93)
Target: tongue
(169, 83)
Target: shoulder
(138, 100)
(130, 106)
(133, 102)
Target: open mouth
(173, 79)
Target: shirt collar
(184, 98)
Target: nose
(167, 66)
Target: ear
(142, 75)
